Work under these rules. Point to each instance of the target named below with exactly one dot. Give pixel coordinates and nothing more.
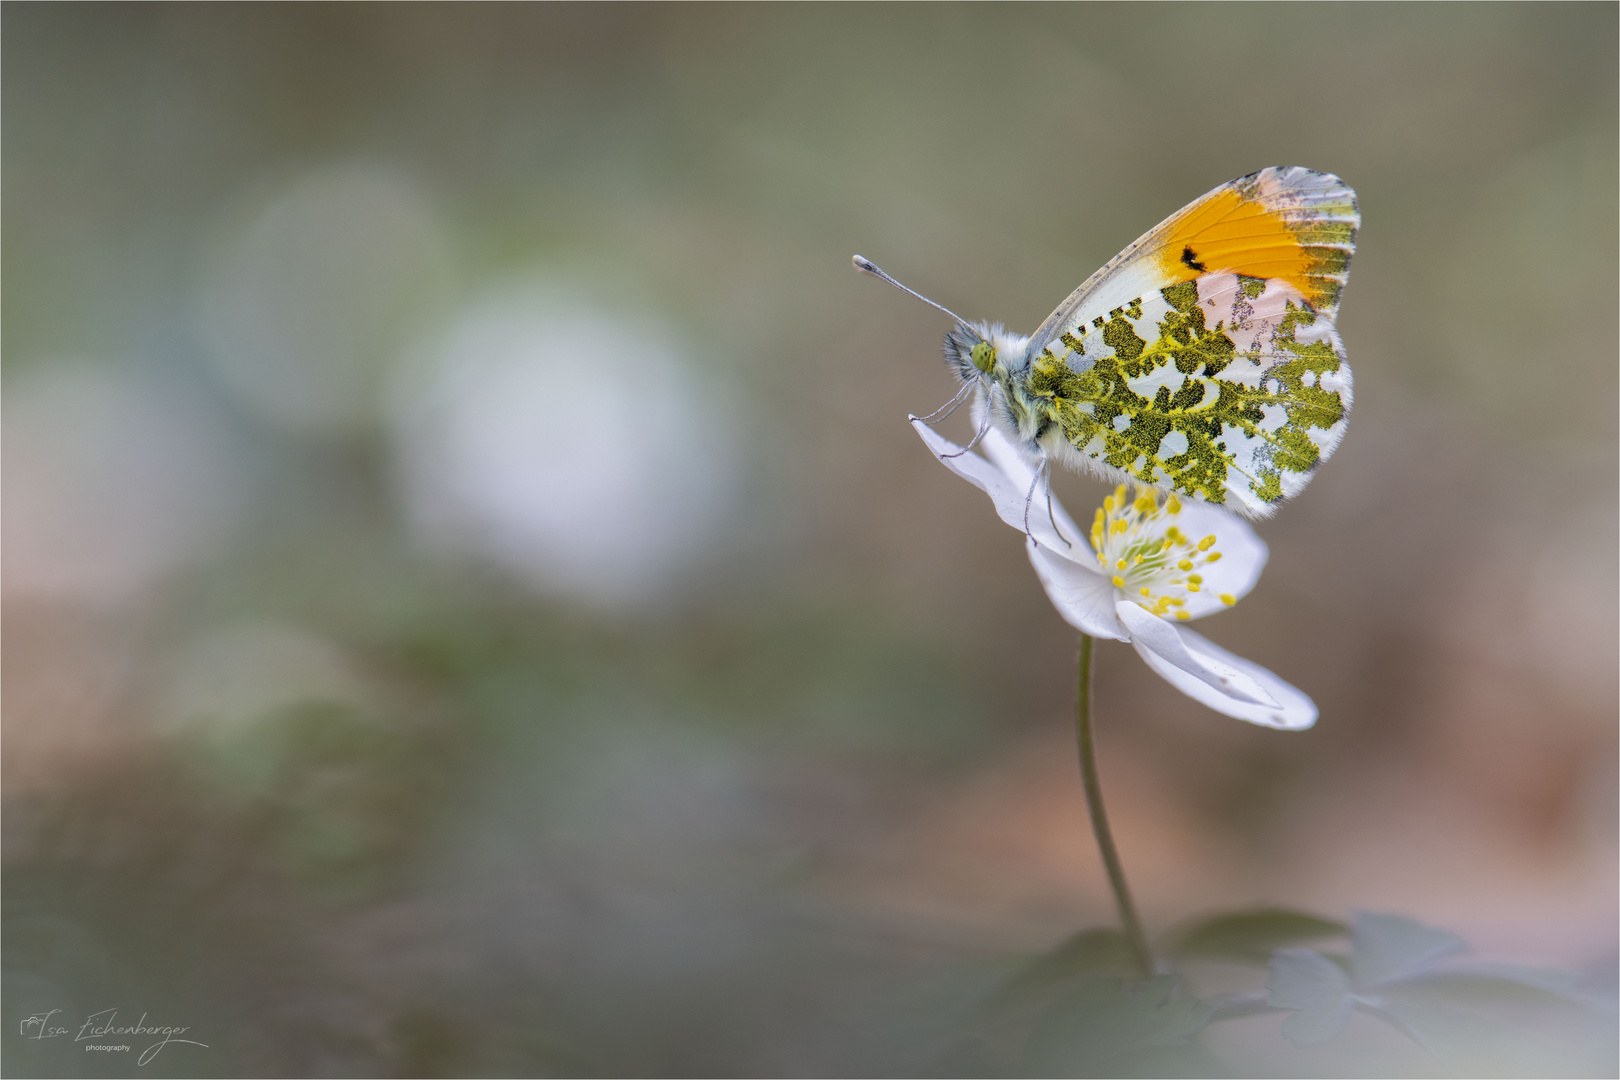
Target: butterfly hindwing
(1204, 359)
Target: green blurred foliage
(349, 806)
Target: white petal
(1009, 488)
(1018, 467)
(1156, 638)
(1295, 713)
(1082, 596)
(1243, 556)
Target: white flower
(1153, 564)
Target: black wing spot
(1191, 260)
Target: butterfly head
(985, 350)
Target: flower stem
(1099, 817)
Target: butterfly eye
(984, 357)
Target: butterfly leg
(1035, 482)
(983, 427)
(949, 407)
(1046, 472)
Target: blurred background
(473, 604)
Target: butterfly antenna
(863, 263)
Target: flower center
(1149, 557)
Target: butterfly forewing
(1203, 359)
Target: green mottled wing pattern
(1201, 377)
(1227, 389)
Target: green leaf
(1477, 1019)
(1477, 1044)
(1249, 935)
(1389, 946)
(1106, 1026)
(1314, 986)
(1502, 1020)
(1488, 985)
(1100, 949)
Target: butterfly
(1202, 360)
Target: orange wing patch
(1269, 225)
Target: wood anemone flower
(1153, 563)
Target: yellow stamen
(1119, 495)
(1207, 542)
(1121, 525)
(1119, 582)
(1174, 505)
(1193, 586)
(1108, 505)
(1173, 533)
(1145, 591)
(1228, 599)
(1213, 556)
(1144, 503)
(1196, 579)
(1182, 615)
(1185, 564)
(1120, 565)
(1100, 515)
(1178, 601)
(1167, 543)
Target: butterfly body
(1202, 360)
